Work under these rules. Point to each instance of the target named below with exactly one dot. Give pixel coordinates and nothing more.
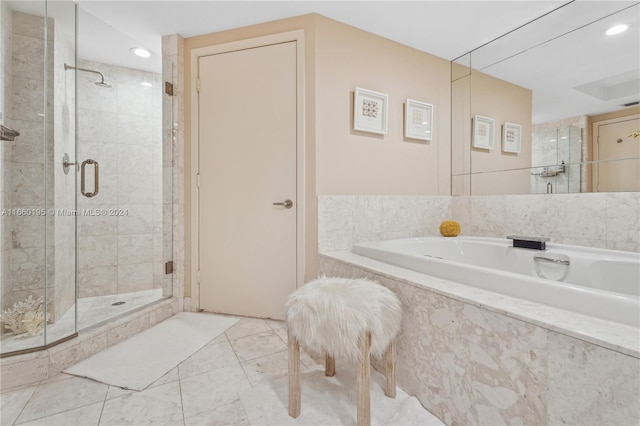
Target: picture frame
(418, 120)
(511, 137)
(370, 111)
(483, 132)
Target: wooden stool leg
(294, 376)
(364, 373)
(329, 365)
(390, 370)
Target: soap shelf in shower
(550, 171)
(7, 134)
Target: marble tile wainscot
(31, 368)
(469, 360)
(603, 220)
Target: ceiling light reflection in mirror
(573, 72)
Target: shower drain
(118, 303)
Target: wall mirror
(562, 96)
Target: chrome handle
(66, 163)
(287, 204)
(96, 174)
(551, 260)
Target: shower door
(37, 196)
(124, 184)
(85, 177)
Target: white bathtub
(595, 282)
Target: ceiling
(569, 64)
(424, 25)
(448, 29)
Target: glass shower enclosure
(556, 160)
(85, 180)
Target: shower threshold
(92, 312)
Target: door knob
(287, 204)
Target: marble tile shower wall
(121, 128)
(28, 175)
(603, 220)
(5, 63)
(5, 106)
(30, 368)
(64, 244)
(173, 164)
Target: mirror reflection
(563, 96)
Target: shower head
(100, 83)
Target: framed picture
(418, 120)
(370, 111)
(511, 137)
(483, 130)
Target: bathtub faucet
(535, 243)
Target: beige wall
(338, 160)
(352, 162)
(504, 102)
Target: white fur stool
(340, 317)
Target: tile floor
(210, 387)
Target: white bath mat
(142, 359)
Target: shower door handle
(96, 174)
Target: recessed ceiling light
(140, 51)
(616, 29)
(146, 84)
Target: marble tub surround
(603, 220)
(347, 219)
(474, 357)
(611, 335)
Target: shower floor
(91, 311)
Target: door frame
(196, 54)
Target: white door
(247, 162)
(614, 143)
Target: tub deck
(609, 334)
(473, 356)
